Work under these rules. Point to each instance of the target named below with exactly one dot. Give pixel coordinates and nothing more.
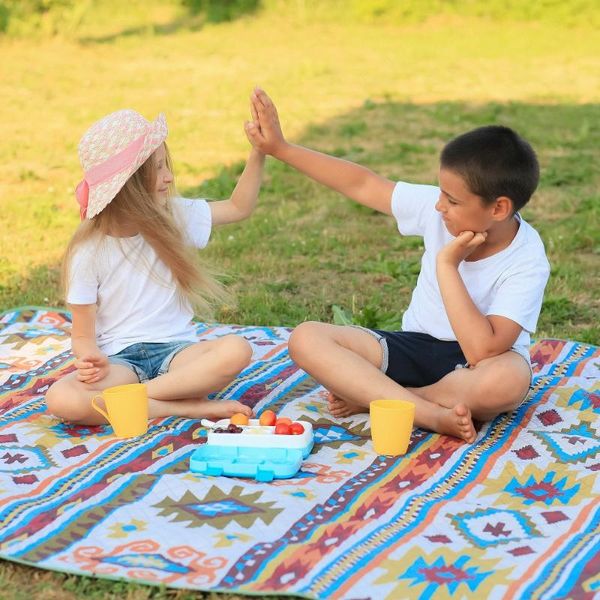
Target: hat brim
(101, 194)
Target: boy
(478, 295)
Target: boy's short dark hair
(494, 161)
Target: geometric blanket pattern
(514, 515)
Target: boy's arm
(244, 197)
(479, 336)
(352, 180)
(91, 363)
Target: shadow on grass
(199, 12)
(403, 141)
(303, 237)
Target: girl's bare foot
(339, 407)
(197, 408)
(218, 409)
(458, 422)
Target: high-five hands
(264, 131)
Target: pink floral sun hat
(110, 152)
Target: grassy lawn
(382, 93)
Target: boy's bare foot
(458, 422)
(339, 407)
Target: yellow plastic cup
(391, 425)
(126, 409)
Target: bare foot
(457, 421)
(220, 409)
(199, 409)
(339, 407)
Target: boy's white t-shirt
(136, 296)
(509, 284)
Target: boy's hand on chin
(461, 247)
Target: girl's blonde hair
(136, 205)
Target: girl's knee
(64, 401)
(238, 351)
(54, 398)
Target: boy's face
(461, 209)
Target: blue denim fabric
(148, 360)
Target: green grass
(374, 269)
(19, 582)
(384, 92)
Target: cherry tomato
(282, 429)
(296, 428)
(286, 420)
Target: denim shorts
(415, 359)
(148, 359)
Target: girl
(132, 279)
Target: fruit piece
(239, 419)
(232, 428)
(282, 429)
(285, 420)
(296, 428)
(267, 417)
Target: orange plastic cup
(391, 425)
(126, 409)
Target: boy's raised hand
(264, 132)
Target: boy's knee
(303, 339)
(503, 387)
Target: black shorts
(417, 359)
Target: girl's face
(164, 177)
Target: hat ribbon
(105, 171)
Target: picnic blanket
(514, 515)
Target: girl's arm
(243, 199)
(348, 178)
(91, 363)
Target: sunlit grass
(202, 80)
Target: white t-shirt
(509, 284)
(136, 296)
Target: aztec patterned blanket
(515, 515)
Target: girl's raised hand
(92, 367)
(264, 132)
